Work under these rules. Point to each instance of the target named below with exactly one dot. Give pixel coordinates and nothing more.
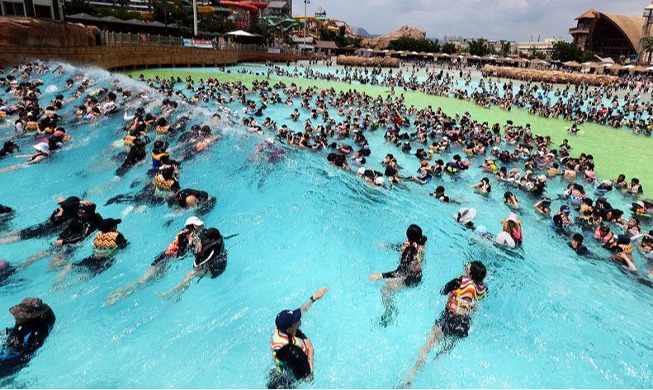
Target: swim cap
(379, 181)
(361, 171)
(481, 229)
(565, 209)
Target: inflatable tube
(504, 238)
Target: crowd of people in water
(625, 104)
(512, 157)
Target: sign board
(200, 43)
(274, 50)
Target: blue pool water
(551, 319)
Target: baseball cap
(194, 221)
(286, 318)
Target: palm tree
(648, 48)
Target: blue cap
(287, 318)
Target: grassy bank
(615, 151)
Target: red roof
(591, 14)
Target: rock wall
(382, 41)
(548, 76)
(45, 33)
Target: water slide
(252, 7)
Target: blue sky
(515, 20)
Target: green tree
(534, 52)
(565, 51)
(648, 48)
(449, 48)
(505, 48)
(478, 47)
(78, 6)
(414, 44)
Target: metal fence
(117, 38)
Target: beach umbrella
(240, 33)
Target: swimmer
(512, 226)
(85, 223)
(561, 219)
(34, 321)
(510, 200)
(8, 148)
(483, 186)
(210, 259)
(189, 198)
(42, 152)
(185, 242)
(465, 216)
(440, 194)
(623, 249)
(543, 206)
(407, 274)
(292, 350)
(105, 244)
(455, 321)
(6, 271)
(482, 232)
(371, 176)
(6, 213)
(577, 244)
(136, 154)
(58, 221)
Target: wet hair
(439, 189)
(414, 234)
(578, 237)
(477, 271)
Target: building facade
(41, 9)
(610, 35)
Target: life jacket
(105, 244)
(162, 183)
(129, 140)
(31, 126)
(173, 249)
(156, 159)
(462, 301)
(604, 239)
(625, 248)
(564, 219)
(279, 340)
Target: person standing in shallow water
(407, 274)
(34, 321)
(292, 350)
(463, 294)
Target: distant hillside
(360, 31)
